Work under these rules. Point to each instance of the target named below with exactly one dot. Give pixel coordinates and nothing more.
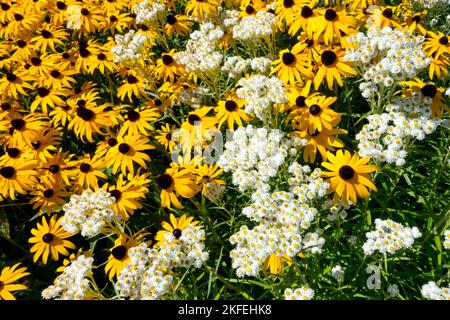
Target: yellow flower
(202, 9)
(292, 67)
(119, 257)
(231, 110)
(18, 177)
(176, 182)
(349, 176)
(49, 239)
(175, 227)
(8, 277)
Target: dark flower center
(231, 105)
(164, 181)
(21, 43)
(84, 53)
(300, 101)
(124, 148)
(54, 168)
(157, 102)
(113, 18)
(46, 34)
(108, 109)
(18, 124)
(43, 92)
(85, 114)
(443, 40)
(387, 13)
(101, 56)
(309, 43)
(60, 5)
(11, 77)
(307, 12)
(81, 103)
(328, 57)
(288, 3)
(7, 172)
(346, 172)
(330, 15)
(171, 19)
(288, 58)
(250, 10)
(429, 90)
(35, 61)
(314, 109)
(116, 194)
(143, 27)
(48, 193)
(133, 115)
(18, 17)
(315, 134)
(119, 252)
(85, 167)
(132, 79)
(55, 73)
(169, 136)
(194, 119)
(416, 19)
(84, 12)
(5, 6)
(5, 106)
(112, 142)
(167, 59)
(36, 145)
(13, 152)
(48, 237)
(176, 233)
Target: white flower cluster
(389, 237)
(431, 291)
(148, 13)
(254, 155)
(89, 212)
(386, 57)
(229, 18)
(256, 26)
(73, 283)
(260, 93)
(202, 53)
(148, 275)
(129, 46)
(428, 4)
(303, 293)
(337, 272)
(393, 290)
(337, 210)
(281, 217)
(386, 135)
(447, 92)
(447, 239)
(236, 65)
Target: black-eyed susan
(47, 97)
(119, 257)
(297, 96)
(436, 44)
(332, 23)
(307, 45)
(59, 77)
(438, 67)
(230, 110)
(167, 67)
(129, 149)
(175, 228)
(349, 176)
(23, 130)
(88, 171)
(44, 145)
(197, 127)
(317, 114)
(414, 22)
(132, 86)
(127, 195)
(48, 198)
(14, 83)
(331, 67)
(287, 9)
(49, 36)
(428, 90)
(118, 22)
(176, 182)
(202, 9)
(207, 173)
(321, 141)
(303, 20)
(86, 50)
(138, 121)
(178, 24)
(383, 16)
(58, 170)
(84, 18)
(165, 136)
(8, 281)
(49, 238)
(17, 178)
(292, 67)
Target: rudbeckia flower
(292, 67)
(119, 257)
(176, 182)
(18, 177)
(175, 227)
(8, 279)
(231, 110)
(202, 9)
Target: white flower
(393, 290)
(303, 293)
(337, 272)
(431, 291)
